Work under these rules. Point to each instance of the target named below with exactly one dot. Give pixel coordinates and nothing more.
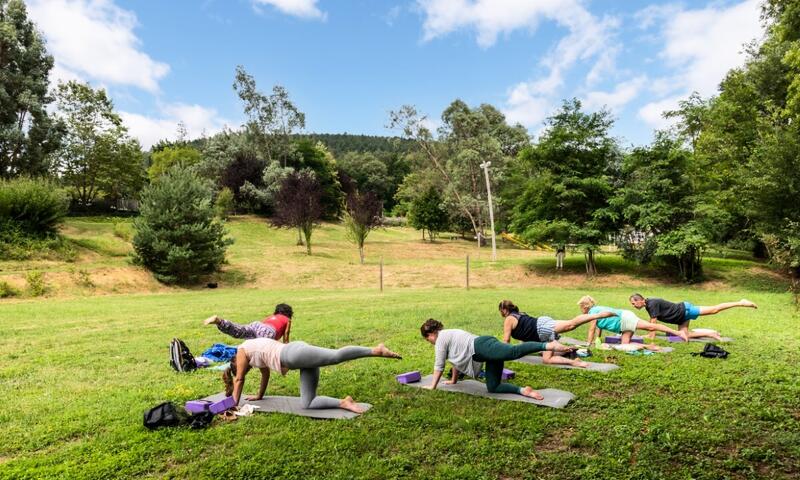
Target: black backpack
(180, 357)
(712, 351)
(162, 415)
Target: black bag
(712, 351)
(180, 357)
(201, 420)
(162, 415)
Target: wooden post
(467, 272)
(381, 274)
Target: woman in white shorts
(623, 322)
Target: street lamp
(485, 166)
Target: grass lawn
(77, 373)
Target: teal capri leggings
(494, 352)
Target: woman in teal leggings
(466, 352)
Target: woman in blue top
(624, 322)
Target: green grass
(77, 374)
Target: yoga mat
(572, 341)
(552, 397)
(291, 405)
(663, 349)
(594, 367)
(672, 339)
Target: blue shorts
(692, 312)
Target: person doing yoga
(682, 313)
(624, 322)
(277, 326)
(466, 352)
(268, 355)
(523, 327)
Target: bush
(36, 285)
(223, 207)
(7, 290)
(394, 221)
(123, 230)
(177, 235)
(31, 207)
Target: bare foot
(652, 347)
(715, 336)
(684, 336)
(348, 403)
(529, 392)
(580, 363)
(382, 351)
(747, 303)
(212, 319)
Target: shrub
(394, 221)
(36, 285)
(31, 207)
(123, 230)
(224, 203)
(83, 278)
(7, 290)
(177, 235)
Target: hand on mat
(449, 382)
(555, 346)
(429, 387)
(252, 397)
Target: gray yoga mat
(291, 405)
(552, 397)
(663, 349)
(697, 340)
(594, 367)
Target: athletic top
(611, 324)
(665, 311)
(263, 353)
(458, 347)
(526, 329)
(278, 322)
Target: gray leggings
(308, 358)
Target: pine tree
(178, 236)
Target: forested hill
(339, 143)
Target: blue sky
(347, 63)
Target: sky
(347, 63)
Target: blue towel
(219, 352)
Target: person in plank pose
(267, 354)
(624, 322)
(521, 326)
(277, 326)
(682, 313)
(466, 352)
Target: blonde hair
(587, 301)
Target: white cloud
(652, 113)
(618, 98)
(94, 39)
(198, 120)
(589, 37)
(701, 45)
(297, 8)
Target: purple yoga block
(674, 339)
(507, 374)
(197, 406)
(618, 339)
(409, 377)
(222, 405)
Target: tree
(168, 157)
(271, 118)
(362, 215)
(559, 189)
(467, 138)
(298, 204)
(97, 155)
(369, 173)
(178, 236)
(427, 213)
(658, 199)
(28, 133)
(245, 168)
(317, 158)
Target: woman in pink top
(277, 326)
(267, 354)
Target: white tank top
(263, 353)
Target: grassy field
(82, 364)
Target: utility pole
(485, 166)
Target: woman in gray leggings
(267, 354)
